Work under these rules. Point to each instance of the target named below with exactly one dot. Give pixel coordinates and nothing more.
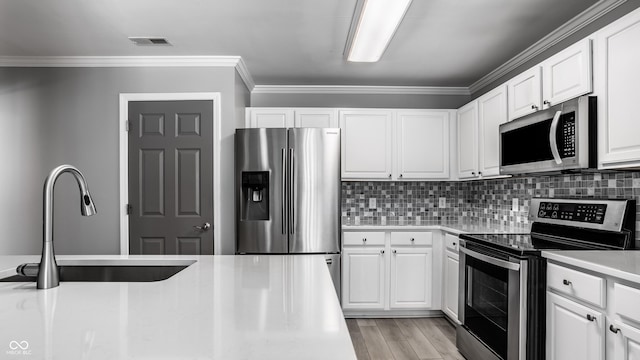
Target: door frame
(124, 157)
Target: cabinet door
(567, 74)
(626, 342)
(525, 93)
(450, 298)
(410, 281)
(363, 283)
(492, 111)
(270, 117)
(422, 144)
(366, 143)
(617, 76)
(574, 331)
(316, 118)
(468, 141)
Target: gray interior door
(170, 177)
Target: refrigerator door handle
(291, 192)
(284, 191)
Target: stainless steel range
(503, 276)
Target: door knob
(206, 226)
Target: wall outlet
(514, 204)
(372, 203)
(442, 202)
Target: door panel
(170, 177)
(261, 223)
(314, 213)
(411, 272)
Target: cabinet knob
(534, 107)
(364, 239)
(613, 329)
(381, 252)
(546, 102)
(454, 244)
(473, 173)
(479, 173)
(566, 282)
(591, 317)
(395, 251)
(400, 175)
(389, 176)
(413, 239)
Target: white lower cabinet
(363, 279)
(579, 328)
(399, 275)
(450, 279)
(574, 331)
(411, 270)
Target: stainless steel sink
(113, 270)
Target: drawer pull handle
(412, 239)
(566, 282)
(395, 251)
(591, 317)
(613, 329)
(364, 239)
(381, 252)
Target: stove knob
(542, 213)
(554, 215)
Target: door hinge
(127, 125)
(129, 209)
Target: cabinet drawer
(451, 242)
(363, 238)
(586, 287)
(411, 238)
(626, 300)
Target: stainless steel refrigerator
(288, 193)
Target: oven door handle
(497, 262)
(552, 138)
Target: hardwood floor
(400, 339)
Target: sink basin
(113, 270)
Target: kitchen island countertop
(221, 307)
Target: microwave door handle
(552, 137)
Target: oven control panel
(581, 212)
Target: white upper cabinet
(567, 74)
(315, 118)
(422, 144)
(561, 77)
(492, 112)
(269, 117)
(617, 76)
(366, 144)
(468, 141)
(525, 93)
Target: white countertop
(455, 228)
(623, 264)
(221, 307)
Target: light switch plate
(514, 204)
(442, 202)
(372, 203)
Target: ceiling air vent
(149, 41)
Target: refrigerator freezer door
(314, 188)
(260, 191)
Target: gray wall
(607, 19)
(360, 101)
(51, 116)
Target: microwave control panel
(590, 213)
(567, 143)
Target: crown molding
(569, 28)
(131, 61)
(357, 89)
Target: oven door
(491, 305)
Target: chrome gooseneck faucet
(48, 276)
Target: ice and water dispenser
(255, 195)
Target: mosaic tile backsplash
(486, 202)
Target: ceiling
(291, 42)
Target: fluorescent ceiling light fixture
(374, 28)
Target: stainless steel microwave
(561, 138)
